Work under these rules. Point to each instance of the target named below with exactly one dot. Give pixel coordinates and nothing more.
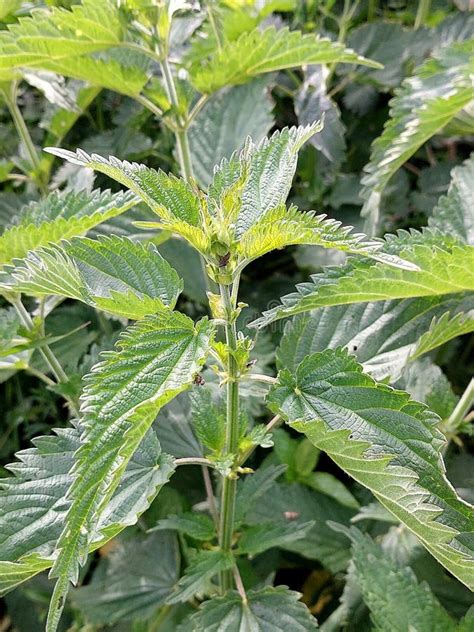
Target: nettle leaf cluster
(358, 334)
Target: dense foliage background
(356, 103)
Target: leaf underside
(387, 442)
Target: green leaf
(168, 196)
(384, 587)
(89, 27)
(60, 216)
(111, 273)
(425, 103)
(258, 52)
(331, 486)
(384, 336)
(454, 213)
(225, 122)
(197, 526)
(62, 41)
(253, 487)
(155, 360)
(208, 420)
(446, 266)
(172, 198)
(313, 104)
(270, 171)
(35, 502)
(267, 610)
(443, 329)
(198, 575)
(283, 504)
(280, 227)
(387, 442)
(129, 583)
(427, 383)
(261, 537)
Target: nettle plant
(355, 328)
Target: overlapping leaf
(225, 122)
(155, 360)
(384, 336)
(35, 503)
(424, 104)
(387, 442)
(267, 610)
(454, 213)
(258, 52)
(60, 216)
(111, 273)
(384, 586)
(63, 41)
(129, 583)
(446, 266)
(198, 575)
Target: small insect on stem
(199, 380)
(224, 260)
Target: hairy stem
(229, 485)
(210, 495)
(424, 7)
(462, 408)
(48, 356)
(24, 134)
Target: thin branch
(191, 460)
(269, 428)
(210, 495)
(259, 377)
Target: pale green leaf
(258, 52)
(384, 587)
(155, 360)
(269, 174)
(168, 196)
(443, 329)
(387, 442)
(132, 581)
(225, 122)
(427, 383)
(425, 103)
(60, 216)
(331, 486)
(383, 335)
(267, 610)
(196, 525)
(280, 227)
(446, 266)
(111, 273)
(261, 537)
(35, 502)
(454, 212)
(198, 575)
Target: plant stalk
(24, 134)
(229, 485)
(424, 7)
(48, 356)
(461, 409)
